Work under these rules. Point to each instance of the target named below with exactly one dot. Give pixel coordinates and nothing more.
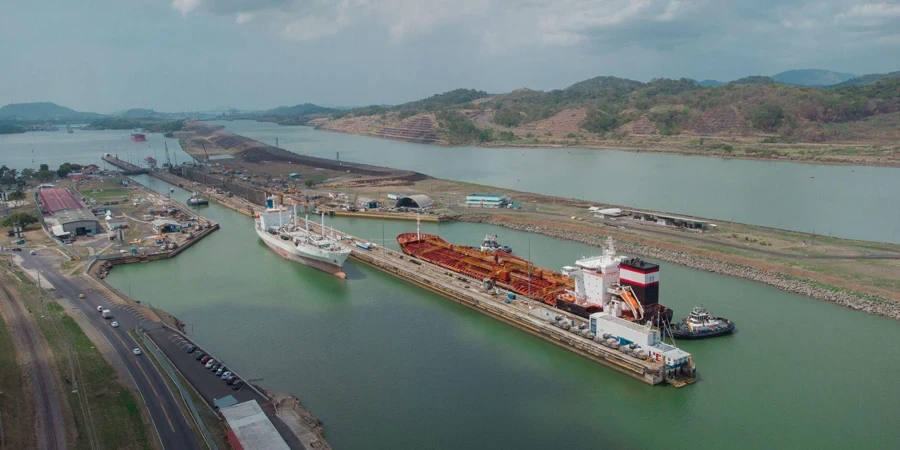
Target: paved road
(211, 387)
(172, 426)
(50, 425)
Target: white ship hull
(324, 259)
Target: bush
(598, 121)
(766, 117)
(508, 117)
(669, 121)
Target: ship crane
(204, 152)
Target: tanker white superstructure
(280, 230)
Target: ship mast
(418, 228)
(323, 224)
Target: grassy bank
(105, 413)
(16, 412)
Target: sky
(178, 55)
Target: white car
(136, 351)
(32, 252)
(226, 375)
(115, 324)
(99, 309)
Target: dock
(387, 215)
(531, 316)
(126, 167)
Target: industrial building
(161, 226)
(487, 200)
(415, 201)
(666, 219)
(76, 221)
(67, 212)
(608, 213)
(251, 428)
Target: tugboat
(700, 325)
(490, 245)
(197, 200)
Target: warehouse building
(250, 428)
(67, 212)
(76, 221)
(415, 201)
(487, 200)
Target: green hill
(43, 111)
(867, 79)
(812, 77)
(602, 107)
(139, 113)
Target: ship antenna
(418, 228)
(323, 223)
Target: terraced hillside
(754, 117)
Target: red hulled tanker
(625, 287)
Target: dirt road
(49, 420)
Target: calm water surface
(83, 147)
(387, 365)
(845, 201)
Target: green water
(844, 201)
(388, 365)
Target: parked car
(237, 385)
(205, 359)
(32, 252)
(209, 363)
(99, 309)
(115, 324)
(136, 351)
(232, 379)
(199, 356)
(219, 371)
(17, 249)
(191, 348)
(80, 295)
(225, 375)
(215, 367)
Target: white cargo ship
(281, 232)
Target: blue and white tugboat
(700, 325)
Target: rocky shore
(862, 302)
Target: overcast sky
(172, 55)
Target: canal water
(843, 201)
(388, 365)
(31, 149)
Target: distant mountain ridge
(300, 110)
(43, 111)
(868, 79)
(812, 77)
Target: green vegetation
(6, 128)
(23, 219)
(795, 113)
(14, 406)
(460, 130)
(101, 408)
(766, 117)
(66, 168)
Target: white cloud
(186, 6)
(243, 18)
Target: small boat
(197, 200)
(700, 325)
(490, 245)
(365, 245)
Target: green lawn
(106, 194)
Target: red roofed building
(53, 200)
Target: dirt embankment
(858, 301)
(200, 140)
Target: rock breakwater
(859, 301)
